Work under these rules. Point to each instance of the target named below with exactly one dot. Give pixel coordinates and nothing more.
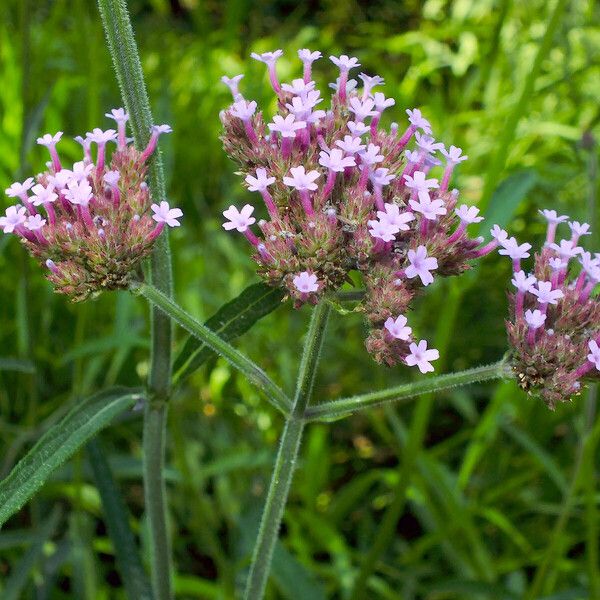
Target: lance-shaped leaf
(59, 443)
(230, 321)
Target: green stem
(346, 406)
(128, 68)
(155, 419)
(235, 358)
(285, 463)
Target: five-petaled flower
(421, 265)
(397, 327)
(163, 213)
(261, 182)
(301, 180)
(421, 356)
(239, 219)
(14, 217)
(306, 282)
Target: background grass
(502, 493)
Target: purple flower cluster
(92, 224)
(344, 194)
(555, 324)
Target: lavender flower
(555, 322)
(97, 226)
(344, 193)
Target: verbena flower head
(90, 225)
(554, 328)
(342, 193)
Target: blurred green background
(499, 490)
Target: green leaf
(19, 576)
(59, 443)
(117, 521)
(292, 578)
(234, 357)
(508, 195)
(230, 321)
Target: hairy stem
(346, 406)
(285, 463)
(128, 68)
(235, 358)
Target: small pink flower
(101, 137)
(14, 216)
(233, 84)
(269, 58)
(35, 222)
(427, 144)
(369, 83)
(524, 283)
(335, 160)
(383, 230)
(499, 234)
(594, 355)
(307, 56)
(287, 126)
(453, 155)
(362, 109)
(421, 265)
(118, 114)
(468, 214)
(239, 220)
(357, 128)
(351, 144)
(18, 189)
(397, 327)
(163, 213)
(545, 294)
(111, 178)
(370, 156)
(416, 119)
(430, 209)
(534, 318)
(511, 248)
(243, 109)
(565, 249)
(259, 183)
(552, 217)
(421, 356)
(344, 62)
(393, 216)
(381, 102)
(417, 182)
(578, 229)
(43, 195)
(78, 192)
(299, 87)
(301, 180)
(381, 176)
(306, 282)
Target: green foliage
(59, 443)
(495, 490)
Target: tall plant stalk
(128, 68)
(285, 463)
